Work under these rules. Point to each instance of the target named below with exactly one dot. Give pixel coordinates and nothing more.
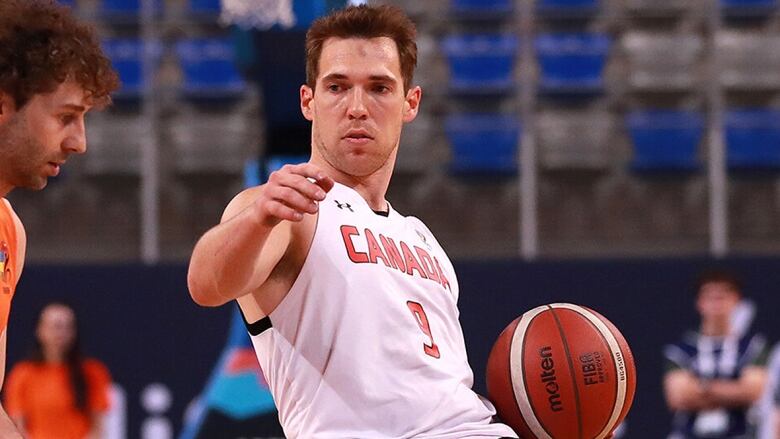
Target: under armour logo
(343, 206)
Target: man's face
(36, 140)
(717, 300)
(358, 106)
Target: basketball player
(351, 306)
(715, 375)
(52, 72)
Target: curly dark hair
(42, 45)
(363, 22)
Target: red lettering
(443, 279)
(427, 264)
(396, 260)
(422, 319)
(374, 251)
(354, 256)
(405, 260)
(411, 261)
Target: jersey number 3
(419, 314)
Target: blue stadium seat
(567, 8)
(483, 143)
(126, 57)
(572, 62)
(70, 3)
(209, 69)
(211, 7)
(481, 8)
(125, 8)
(665, 140)
(753, 139)
(757, 8)
(481, 63)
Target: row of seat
(191, 142)
(119, 8)
(568, 8)
(663, 140)
(475, 8)
(207, 64)
(480, 143)
(569, 63)
(575, 62)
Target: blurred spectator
(714, 375)
(777, 411)
(774, 396)
(768, 409)
(55, 392)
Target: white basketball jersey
(367, 343)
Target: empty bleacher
(618, 97)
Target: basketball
(561, 371)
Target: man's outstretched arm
(237, 256)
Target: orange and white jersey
(367, 343)
(8, 262)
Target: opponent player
(52, 72)
(351, 306)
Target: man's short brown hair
(42, 45)
(363, 22)
(721, 276)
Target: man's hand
(290, 193)
(250, 241)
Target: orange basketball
(561, 371)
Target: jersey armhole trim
(257, 327)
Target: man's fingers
(294, 190)
(325, 182)
(302, 185)
(309, 170)
(279, 210)
(293, 199)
